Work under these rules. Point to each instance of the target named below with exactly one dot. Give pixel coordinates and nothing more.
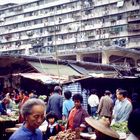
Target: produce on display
(42, 97)
(8, 118)
(62, 122)
(121, 127)
(67, 135)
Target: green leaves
(120, 126)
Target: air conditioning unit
(115, 42)
(122, 42)
(29, 33)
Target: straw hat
(102, 125)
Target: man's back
(93, 100)
(106, 106)
(55, 104)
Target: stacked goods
(67, 135)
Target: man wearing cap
(55, 102)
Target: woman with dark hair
(77, 115)
(134, 125)
(68, 104)
(53, 127)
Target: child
(53, 127)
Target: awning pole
(56, 53)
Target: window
(41, 30)
(36, 13)
(58, 7)
(41, 2)
(28, 14)
(51, 9)
(119, 17)
(50, 38)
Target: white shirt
(93, 100)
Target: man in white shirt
(93, 102)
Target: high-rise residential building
(100, 31)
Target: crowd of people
(63, 105)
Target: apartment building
(101, 31)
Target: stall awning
(46, 79)
(54, 69)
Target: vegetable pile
(62, 122)
(8, 118)
(120, 126)
(42, 97)
(67, 135)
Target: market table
(18, 125)
(11, 130)
(5, 122)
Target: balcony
(104, 2)
(15, 20)
(24, 28)
(14, 47)
(134, 27)
(2, 19)
(54, 29)
(91, 35)
(21, 18)
(89, 27)
(133, 45)
(121, 22)
(133, 18)
(8, 37)
(67, 52)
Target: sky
(13, 1)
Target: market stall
(5, 122)
(42, 83)
(100, 129)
